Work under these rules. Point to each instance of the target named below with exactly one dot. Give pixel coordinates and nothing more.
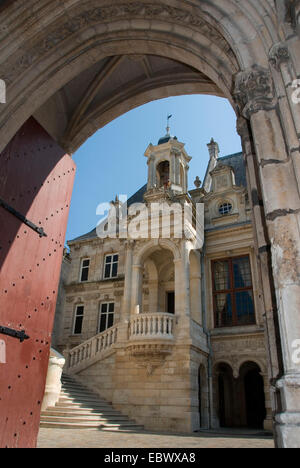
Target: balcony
(151, 335)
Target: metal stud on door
(36, 181)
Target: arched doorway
(226, 396)
(255, 409)
(241, 400)
(229, 44)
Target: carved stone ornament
(279, 54)
(295, 13)
(254, 91)
(69, 300)
(149, 356)
(90, 17)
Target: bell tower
(168, 166)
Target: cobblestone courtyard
(60, 438)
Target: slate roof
(236, 161)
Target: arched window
(163, 174)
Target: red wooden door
(36, 180)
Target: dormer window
(225, 208)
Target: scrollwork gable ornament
(278, 55)
(254, 91)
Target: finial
(168, 124)
(213, 149)
(197, 182)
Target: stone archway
(246, 51)
(254, 407)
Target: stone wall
(160, 393)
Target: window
(225, 208)
(84, 271)
(233, 292)
(106, 319)
(78, 320)
(111, 266)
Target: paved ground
(69, 438)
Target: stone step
(83, 399)
(88, 419)
(120, 428)
(57, 425)
(83, 395)
(75, 387)
(77, 394)
(69, 406)
(80, 408)
(124, 428)
(69, 412)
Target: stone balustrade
(92, 348)
(142, 328)
(152, 326)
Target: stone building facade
(170, 327)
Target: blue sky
(112, 161)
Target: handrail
(92, 347)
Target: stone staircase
(80, 408)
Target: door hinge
(19, 334)
(39, 230)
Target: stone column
(196, 298)
(182, 292)
(256, 99)
(182, 281)
(177, 168)
(173, 168)
(126, 302)
(53, 382)
(268, 422)
(186, 171)
(266, 294)
(153, 296)
(137, 289)
(151, 172)
(126, 306)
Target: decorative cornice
(254, 91)
(279, 54)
